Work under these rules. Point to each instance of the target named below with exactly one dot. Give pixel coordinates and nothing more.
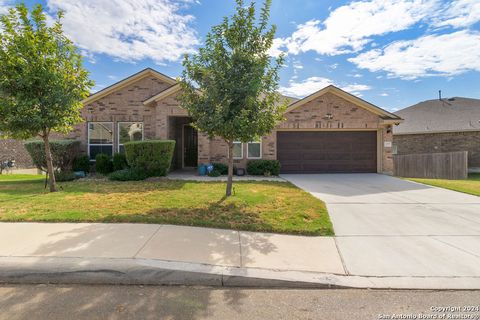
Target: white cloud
(313, 84)
(459, 13)
(349, 28)
(355, 88)
(129, 30)
(383, 94)
(5, 5)
(440, 55)
(297, 65)
(275, 50)
(333, 66)
(97, 88)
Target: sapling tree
(229, 85)
(42, 81)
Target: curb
(33, 270)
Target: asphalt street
(160, 302)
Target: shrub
(130, 174)
(64, 176)
(214, 173)
(221, 168)
(263, 167)
(119, 162)
(103, 164)
(152, 156)
(81, 163)
(63, 153)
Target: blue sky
(393, 53)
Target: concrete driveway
(386, 226)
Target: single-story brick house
(328, 131)
(440, 125)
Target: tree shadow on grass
(214, 215)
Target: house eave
(164, 94)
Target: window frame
(100, 144)
(256, 142)
(241, 149)
(118, 132)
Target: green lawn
(470, 186)
(256, 206)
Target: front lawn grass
(470, 186)
(255, 206)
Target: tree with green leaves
(229, 86)
(42, 81)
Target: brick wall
(14, 149)
(441, 142)
(124, 105)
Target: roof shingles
(454, 114)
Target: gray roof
(449, 114)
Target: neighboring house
(328, 131)
(441, 125)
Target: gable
(330, 111)
(347, 97)
(146, 73)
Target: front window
(129, 131)
(254, 150)
(100, 138)
(237, 150)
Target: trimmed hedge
(221, 168)
(154, 157)
(64, 153)
(128, 175)
(81, 163)
(263, 167)
(62, 176)
(103, 163)
(214, 173)
(119, 162)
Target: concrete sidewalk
(165, 254)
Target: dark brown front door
(190, 146)
(327, 152)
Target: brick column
(203, 148)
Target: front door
(190, 146)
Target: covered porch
(186, 142)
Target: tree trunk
(48, 156)
(230, 169)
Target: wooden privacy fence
(449, 165)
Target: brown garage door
(325, 152)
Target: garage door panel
(317, 151)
